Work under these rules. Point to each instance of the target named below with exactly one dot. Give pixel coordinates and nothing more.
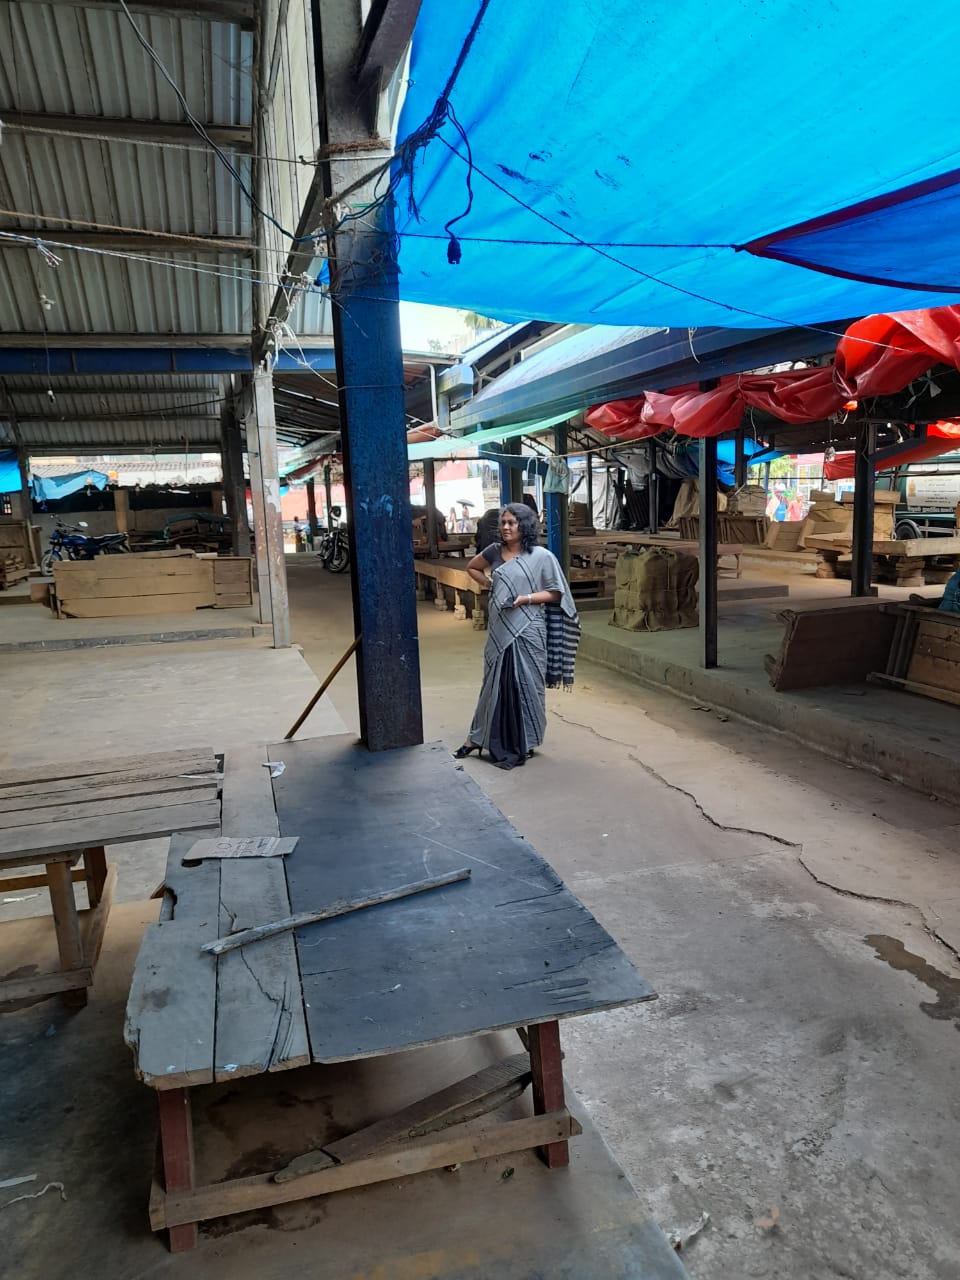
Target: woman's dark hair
(527, 523)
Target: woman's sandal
(467, 749)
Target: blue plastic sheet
(689, 129)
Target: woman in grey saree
(531, 641)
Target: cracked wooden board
(511, 947)
(260, 1017)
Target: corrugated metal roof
(88, 159)
(107, 437)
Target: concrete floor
(799, 919)
(789, 910)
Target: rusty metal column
(327, 495)
(312, 509)
(366, 326)
(708, 551)
(430, 498)
(276, 565)
(234, 481)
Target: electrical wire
(201, 131)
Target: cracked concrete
(786, 1064)
(798, 919)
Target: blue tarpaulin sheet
(9, 472)
(46, 488)
(632, 163)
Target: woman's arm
(538, 597)
(477, 569)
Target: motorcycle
(334, 547)
(69, 542)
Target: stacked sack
(656, 590)
(749, 500)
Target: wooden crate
(232, 582)
(132, 586)
(16, 550)
(834, 645)
(924, 657)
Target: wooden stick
(322, 690)
(342, 908)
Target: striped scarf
(563, 639)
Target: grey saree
(522, 654)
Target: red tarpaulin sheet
(877, 356)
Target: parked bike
(69, 542)
(334, 545)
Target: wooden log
(477, 1095)
(343, 908)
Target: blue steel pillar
(366, 329)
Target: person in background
(298, 535)
(531, 642)
(452, 520)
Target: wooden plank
(176, 1156)
(546, 1063)
(56, 837)
(232, 602)
(934, 672)
(157, 764)
(96, 791)
(248, 806)
(468, 1099)
(913, 686)
(130, 566)
(260, 1191)
(135, 606)
(44, 984)
(87, 806)
(93, 922)
(143, 585)
(260, 1016)
(436, 966)
(171, 1009)
(12, 884)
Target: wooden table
(510, 948)
(901, 561)
(470, 599)
(56, 816)
(594, 549)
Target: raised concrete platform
(31, 627)
(913, 740)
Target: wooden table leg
(546, 1064)
(67, 926)
(95, 867)
(176, 1151)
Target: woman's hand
(521, 600)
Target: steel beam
(364, 288)
(708, 551)
(133, 242)
(430, 498)
(653, 490)
(234, 481)
(861, 568)
(239, 13)
(386, 34)
(234, 137)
